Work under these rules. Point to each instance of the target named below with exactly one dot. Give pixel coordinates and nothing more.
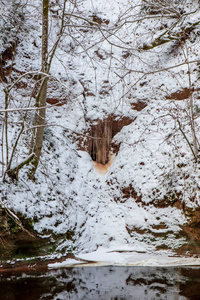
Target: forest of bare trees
(99, 125)
(78, 27)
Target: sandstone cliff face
(99, 141)
(14, 242)
(191, 230)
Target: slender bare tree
(42, 95)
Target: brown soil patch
(86, 87)
(99, 20)
(166, 202)
(140, 105)
(56, 102)
(172, 198)
(99, 55)
(126, 54)
(180, 94)
(129, 192)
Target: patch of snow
(127, 257)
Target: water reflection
(116, 283)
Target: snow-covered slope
(100, 70)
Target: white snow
(127, 257)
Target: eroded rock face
(15, 242)
(3, 221)
(101, 132)
(191, 231)
(100, 135)
(6, 246)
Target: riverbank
(101, 257)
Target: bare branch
(15, 219)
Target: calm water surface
(91, 283)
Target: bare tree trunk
(38, 139)
(191, 107)
(6, 127)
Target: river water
(104, 283)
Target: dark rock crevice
(99, 137)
